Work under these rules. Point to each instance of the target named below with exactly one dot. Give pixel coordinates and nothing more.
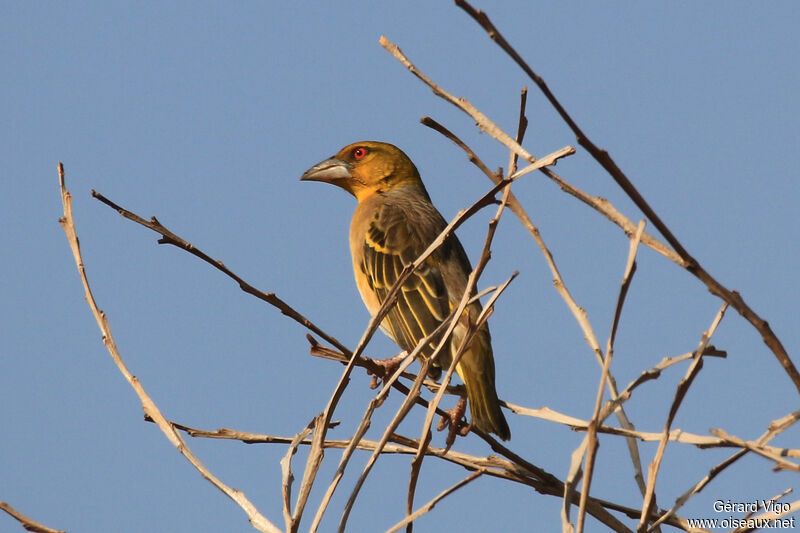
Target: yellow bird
(393, 224)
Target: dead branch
(258, 520)
(28, 523)
(733, 298)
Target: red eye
(360, 152)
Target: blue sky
(205, 115)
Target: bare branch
(481, 120)
(28, 523)
(522, 126)
(514, 469)
(167, 237)
(288, 477)
(258, 520)
(431, 504)
(312, 466)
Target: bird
(394, 222)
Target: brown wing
(390, 243)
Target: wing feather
(391, 243)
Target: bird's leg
(454, 421)
(386, 368)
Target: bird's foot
(455, 422)
(386, 368)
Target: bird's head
(366, 168)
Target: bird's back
(389, 231)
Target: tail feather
(476, 369)
(485, 408)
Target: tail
(476, 369)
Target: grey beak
(328, 171)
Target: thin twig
(780, 462)
(288, 477)
(675, 434)
(655, 373)
(432, 503)
(544, 413)
(619, 411)
(168, 237)
(317, 350)
(481, 120)
(522, 127)
(574, 475)
(28, 523)
(313, 463)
